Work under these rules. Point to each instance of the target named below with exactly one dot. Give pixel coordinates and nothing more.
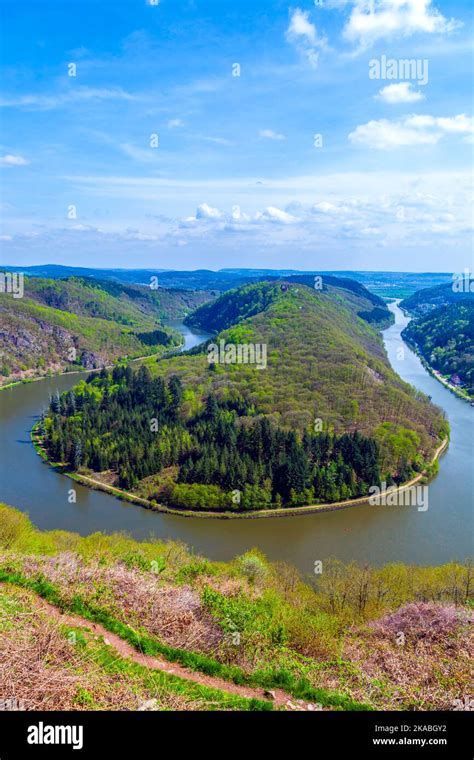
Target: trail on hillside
(279, 698)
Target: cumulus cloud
(10, 160)
(303, 34)
(418, 129)
(274, 214)
(207, 212)
(402, 92)
(269, 134)
(369, 22)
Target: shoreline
(46, 376)
(251, 514)
(458, 392)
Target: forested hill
(235, 305)
(123, 303)
(445, 338)
(324, 362)
(324, 416)
(80, 322)
(423, 301)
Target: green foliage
(136, 426)
(445, 338)
(100, 320)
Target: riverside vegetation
(445, 339)
(351, 637)
(194, 434)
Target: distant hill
(445, 338)
(427, 299)
(386, 284)
(81, 322)
(232, 308)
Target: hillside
(85, 323)
(445, 338)
(105, 622)
(426, 300)
(322, 418)
(237, 305)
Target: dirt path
(278, 697)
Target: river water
(375, 534)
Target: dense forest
(225, 456)
(445, 337)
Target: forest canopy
(224, 456)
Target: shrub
(252, 567)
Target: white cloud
(216, 140)
(386, 19)
(274, 214)
(418, 129)
(399, 93)
(325, 207)
(74, 95)
(207, 212)
(269, 134)
(10, 160)
(174, 123)
(301, 26)
(303, 34)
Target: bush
(252, 567)
(424, 620)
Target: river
(375, 534)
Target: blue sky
(204, 133)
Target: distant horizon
(229, 269)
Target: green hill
(321, 417)
(246, 301)
(79, 322)
(445, 338)
(428, 299)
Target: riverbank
(250, 514)
(49, 373)
(459, 392)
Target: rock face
(91, 360)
